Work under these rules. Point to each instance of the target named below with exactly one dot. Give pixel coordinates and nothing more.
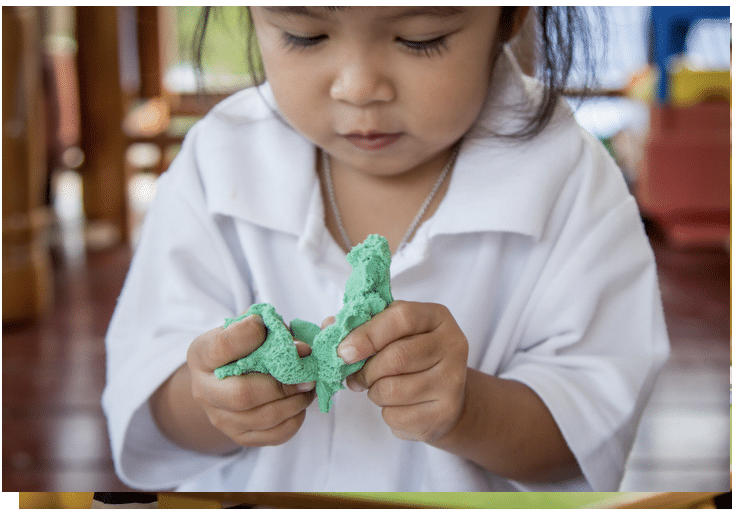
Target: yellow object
(686, 86)
(180, 500)
(690, 87)
(55, 499)
(37, 500)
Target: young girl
(527, 331)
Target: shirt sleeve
(592, 336)
(183, 281)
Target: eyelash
(427, 48)
(298, 42)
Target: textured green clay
(368, 292)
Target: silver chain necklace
(415, 222)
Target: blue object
(669, 28)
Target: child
(527, 331)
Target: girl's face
(383, 90)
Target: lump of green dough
(275, 356)
(368, 292)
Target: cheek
(291, 89)
(451, 101)
(286, 78)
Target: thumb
(303, 349)
(224, 345)
(327, 322)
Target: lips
(372, 140)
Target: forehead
(381, 13)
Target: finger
(249, 391)
(413, 354)
(400, 319)
(303, 349)
(403, 390)
(327, 322)
(274, 413)
(224, 345)
(285, 423)
(403, 356)
(274, 436)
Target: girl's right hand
(253, 409)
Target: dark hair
(557, 33)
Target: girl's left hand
(418, 370)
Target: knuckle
(372, 344)
(440, 309)
(202, 348)
(198, 394)
(451, 379)
(462, 347)
(266, 416)
(193, 352)
(403, 427)
(404, 316)
(241, 396)
(218, 421)
(386, 390)
(399, 357)
(218, 347)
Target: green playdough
(368, 292)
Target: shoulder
(251, 104)
(524, 186)
(239, 135)
(245, 111)
(241, 155)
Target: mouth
(373, 140)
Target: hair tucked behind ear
(562, 39)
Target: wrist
(507, 429)
(183, 421)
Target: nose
(362, 80)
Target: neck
(361, 203)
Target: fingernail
(306, 386)
(348, 353)
(353, 385)
(256, 318)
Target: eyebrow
(412, 12)
(428, 11)
(293, 11)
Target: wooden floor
(54, 432)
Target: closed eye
(297, 41)
(428, 48)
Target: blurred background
(96, 101)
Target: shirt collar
(269, 177)
(253, 165)
(503, 184)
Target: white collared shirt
(537, 249)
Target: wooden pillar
(27, 276)
(149, 51)
(101, 103)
